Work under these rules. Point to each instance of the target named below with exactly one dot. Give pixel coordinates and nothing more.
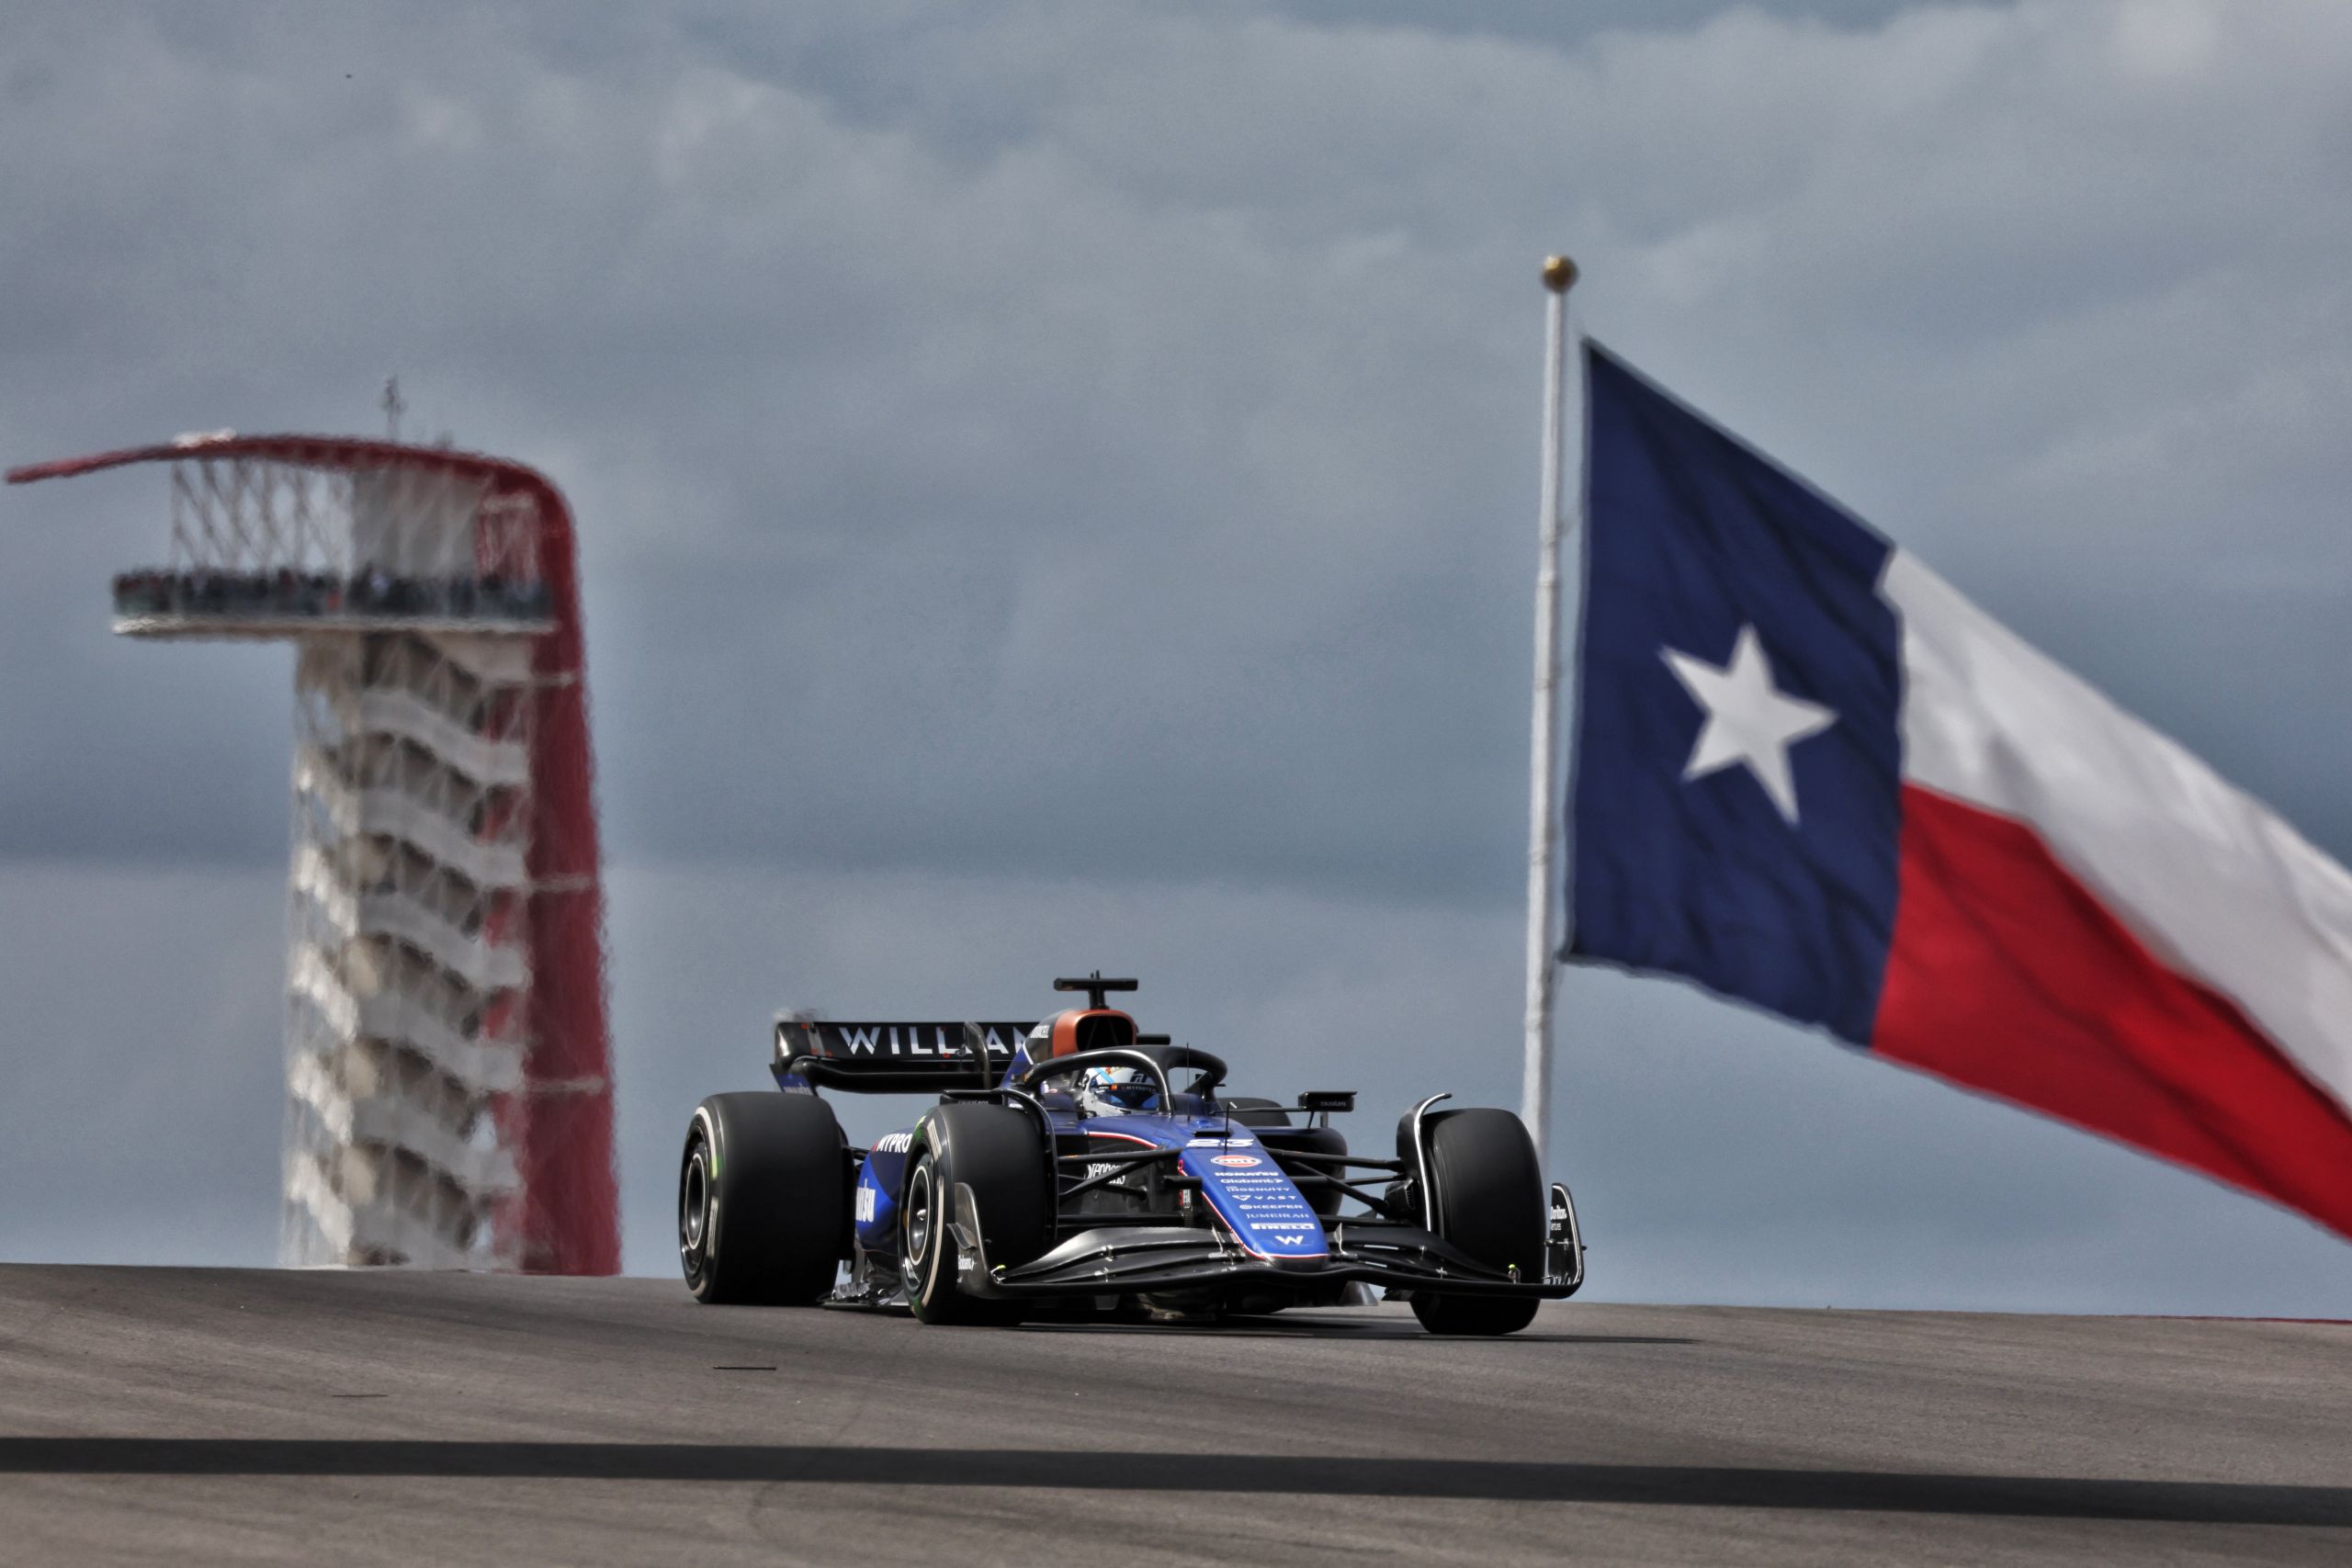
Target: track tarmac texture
(196, 1415)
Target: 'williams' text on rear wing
(892, 1058)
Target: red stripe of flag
(2009, 976)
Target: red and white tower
(448, 1066)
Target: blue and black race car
(1077, 1167)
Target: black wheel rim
(693, 1211)
(917, 1222)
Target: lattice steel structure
(448, 1065)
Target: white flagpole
(1542, 809)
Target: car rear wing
(893, 1057)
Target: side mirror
(1321, 1103)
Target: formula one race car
(1076, 1167)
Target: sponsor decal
(866, 1205)
(1257, 1203)
(939, 1042)
(893, 1142)
(914, 1045)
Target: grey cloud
(142, 1061)
(1160, 462)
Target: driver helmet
(1122, 1088)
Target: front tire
(994, 1150)
(762, 1199)
(1489, 1200)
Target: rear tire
(995, 1151)
(762, 1199)
(1490, 1202)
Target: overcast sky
(1057, 485)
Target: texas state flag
(1811, 776)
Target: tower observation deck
(448, 1066)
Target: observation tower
(449, 1067)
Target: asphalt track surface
(189, 1416)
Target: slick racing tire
(762, 1199)
(1490, 1202)
(996, 1151)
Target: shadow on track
(1312, 1324)
(1305, 1329)
(2177, 1502)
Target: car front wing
(1124, 1260)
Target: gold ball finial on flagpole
(1558, 273)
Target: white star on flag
(1748, 719)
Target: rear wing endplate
(893, 1057)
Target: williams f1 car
(1075, 1166)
